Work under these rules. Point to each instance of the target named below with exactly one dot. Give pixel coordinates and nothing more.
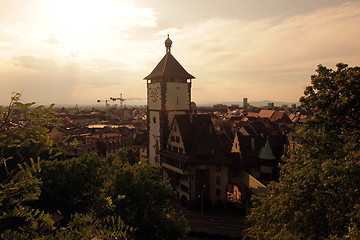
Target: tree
(139, 194)
(18, 220)
(107, 197)
(115, 186)
(317, 196)
(24, 136)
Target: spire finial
(168, 44)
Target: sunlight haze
(77, 51)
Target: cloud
(269, 52)
(33, 63)
(231, 58)
(44, 81)
(54, 41)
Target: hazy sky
(78, 51)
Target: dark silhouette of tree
(317, 196)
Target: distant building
(245, 103)
(271, 106)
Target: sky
(79, 51)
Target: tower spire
(168, 44)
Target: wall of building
(175, 140)
(154, 134)
(218, 178)
(177, 96)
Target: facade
(196, 162)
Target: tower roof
(266, 152)
(169, 67)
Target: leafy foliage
(24, 134)
(87, 226)
(14, 195)
(93, 186)
(317, 196)
(114, 187)
(139, 194)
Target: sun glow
(81, 24)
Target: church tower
(168, 94)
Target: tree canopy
(317, 196)
(96, 198)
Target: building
(195, 157)
(196, 161)
(168, 94)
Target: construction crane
(122, 100)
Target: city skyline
(75, 52)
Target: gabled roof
(259, 128)
(201, 142)
(277, 115)
(266, 113)
(169, 67)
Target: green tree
(115, 186)
(87, 226)
(17, 219)
(24, 136)
(139, 194)
(317, 196)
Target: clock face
(154, 94)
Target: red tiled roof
(252, 114)
(266, 113)
(277, 115)
(169, 67)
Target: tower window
(154, 119)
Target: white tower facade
(168, 94)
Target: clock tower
(168, 94)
